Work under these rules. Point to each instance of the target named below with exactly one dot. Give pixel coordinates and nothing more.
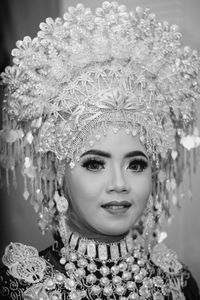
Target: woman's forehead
(118, 141)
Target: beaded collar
(100, 251)
(104, 273)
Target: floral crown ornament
(85, 72)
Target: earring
(62, 207)
(149, 224)
(61, 203)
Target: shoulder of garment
(28, 274)
(167, 260)
(22, 267)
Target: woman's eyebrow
(97, 152)
(136, 153)
(108, 155)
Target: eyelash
(100, 163)
(139, 162)
(96, 164)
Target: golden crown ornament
(85, 72)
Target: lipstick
(116, 207)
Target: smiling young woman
(98, 113)
(114, 184)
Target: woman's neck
(96, 236)
(85, 230)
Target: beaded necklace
(93, 270)
(121, 270)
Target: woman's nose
(117, 182)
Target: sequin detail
(24, 262)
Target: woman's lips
(115, 207)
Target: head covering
(85, 72)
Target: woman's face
(110, 185)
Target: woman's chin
(115, 230)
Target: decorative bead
(83, 294)
(92, 267)
(103, 254)
(142, 139)
(138, 278)
(70, 267)
(96, 290)
(126, 276)
(70, 283)
(134, 296)
(63, 260)
(135, 268)
(132, 277)
(147, 282)
(91, 279)
(104, 270)
(80, 273)
(123, 249)
(72, 165)
(50, 284)
(26, 195)
(73, 256)
(123, 266)
(141, 262)
(59, 277)
(130, 260)
(131, 285)
(108, 291)
(82, 246)
(114, 251)
(158, 296)
(116, 280)
(104, 281)
(115, 270)
(91, 249)
(82, 262)
(120, 290)
(56, 297)
(144, 292)
(143, 272)
(137, 254)
(158, 281)
(134, 132)
(74, 295)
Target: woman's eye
(138, 165)
(93, 165)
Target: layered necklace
(121, 270)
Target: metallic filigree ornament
(88, 71)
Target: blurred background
(19, 18)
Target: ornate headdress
(86, 71)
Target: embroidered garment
(132, 275)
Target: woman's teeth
(116, 206)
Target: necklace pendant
(123, 249)
(82, 246)
(74, 241)
(114, 252)
(91, 249)
(103, 252)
